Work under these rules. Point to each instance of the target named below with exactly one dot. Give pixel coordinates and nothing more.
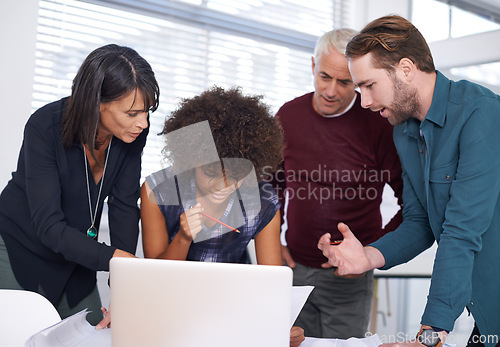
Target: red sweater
(335, 171)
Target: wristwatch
(429, 338)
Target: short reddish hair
(389, 39)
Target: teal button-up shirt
(451, 175)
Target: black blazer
(44, 209)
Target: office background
(262, 45)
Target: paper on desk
(299, 297)
(72, 331)
(76, 331)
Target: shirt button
(421, 151)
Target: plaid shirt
(247, 210)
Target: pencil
(222, 223)
(336, 242)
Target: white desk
(418, 267)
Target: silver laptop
(198, 304)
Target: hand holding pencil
(191, 222)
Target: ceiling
(489, 9)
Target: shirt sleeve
(270, 204)
(412, 237)
(469, 212)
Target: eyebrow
(136, 110)
(362, 83)
(345, 80)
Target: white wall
(367, 10)
(18, 21)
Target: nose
(366, 101)
(218, 184)
(331, 90)
(222, 182)
(142, 120)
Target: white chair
(22, 314)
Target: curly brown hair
(242, 126)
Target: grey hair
(334, 39)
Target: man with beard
(447, 136)
(337, 159)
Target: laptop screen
(194, 304)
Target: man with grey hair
(337, 159)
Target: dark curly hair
(242, 127)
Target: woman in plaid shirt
(218, 143)
(211, 202)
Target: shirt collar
(346, 109)
(437, 111)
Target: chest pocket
(440, 179)
(444, 173)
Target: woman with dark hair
(212, 200)
(77, 152)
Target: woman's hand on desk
(124, 254)
(106, 321)
(296, 336)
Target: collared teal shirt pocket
(443, 174)
(441, 178)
